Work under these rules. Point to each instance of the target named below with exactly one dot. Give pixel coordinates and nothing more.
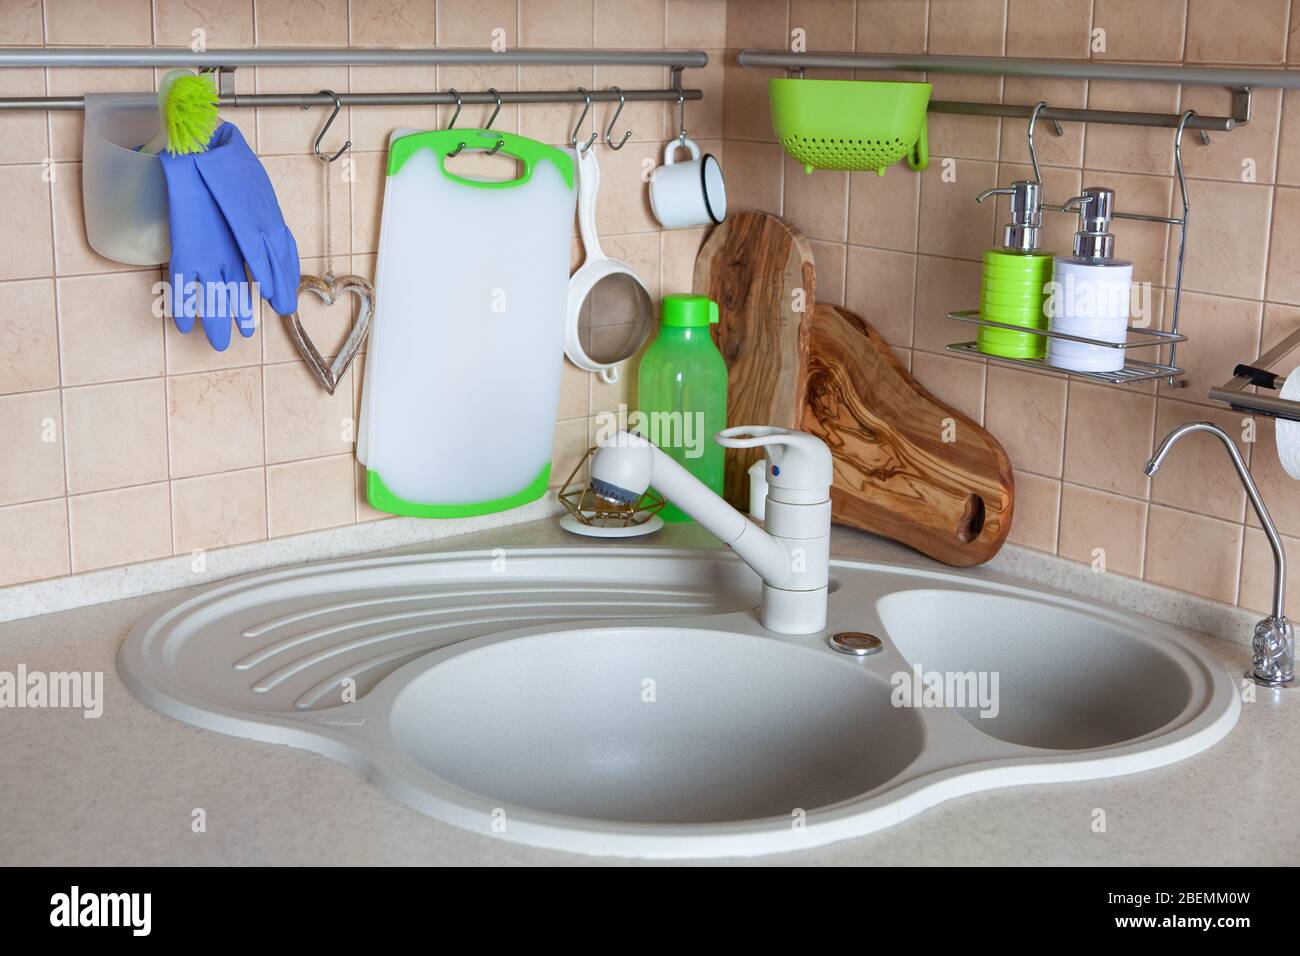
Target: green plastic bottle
(682, 391)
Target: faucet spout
(792, 555)
(1274, 641)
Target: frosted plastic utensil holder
(124, 193)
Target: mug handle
(670, 151)
(919, 157)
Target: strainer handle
(919, 156)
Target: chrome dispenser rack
(1133, 370)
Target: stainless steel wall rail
(95, 57)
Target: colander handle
(919, 156)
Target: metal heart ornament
(330, 289)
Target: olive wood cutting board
(907, 466)
(759, 269)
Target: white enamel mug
(688, 193)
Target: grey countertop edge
(21, 601)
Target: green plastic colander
(851, 124)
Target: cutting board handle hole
(972, 519)
(476, 164)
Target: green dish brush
(187, 108)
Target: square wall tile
(557, 23)
(1218, 330)
(817, 202)
(1197, 476)
(1256, 590)
(760, 24)
(830, 259)
(826, 24)
(104, 22)
(968, 27)
(891, 26)
(630, 24)
(953, 224)
(883, 210)
(226, 24)
(24, 136)
(29, 338)
(23, 23)
(678, 249)
(1053, 150)
(28, 253)
(214, 511)
(880, 287)
(1276, 487)
(214, 421)
(1129, 149)
(34, 541)
(1108, 440)
(1230, 258)
(469, 23)
(120, 527)
(698, 24)
(1236, 31)
(957, 382)
(310, 495)
(1025, 411)
(1284, 248)
(31, 434)
(1249, 152)
(1193, 553)
(107, 328)
(1103, 530)
(1037, 512)
(302, 23)
(943, 286)
(754, 176)
(965, 137)
(302, 420)
(1050, 28)
(116, 434)
(1152, 30)
(402, 23)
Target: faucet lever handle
(795, 460)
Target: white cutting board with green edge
(462, 373)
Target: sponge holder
(124, 192)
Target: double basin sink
(620, 700)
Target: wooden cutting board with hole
(759, 269)
(907, 466)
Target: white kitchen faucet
(792, 555)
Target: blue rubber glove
(205, 258)
(243, 191)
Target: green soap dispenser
(682, 391)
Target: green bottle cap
(689, 311)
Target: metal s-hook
(315, 147)
(454, 116)
(492, 119)
(681, 117)
(1029, 135)
(586, 108)
(622, 101)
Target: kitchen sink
(618, 700)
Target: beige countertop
(122, 789)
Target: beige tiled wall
(125, 441)
(904, 249)
(122, 440)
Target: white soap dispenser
(1091, 289)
